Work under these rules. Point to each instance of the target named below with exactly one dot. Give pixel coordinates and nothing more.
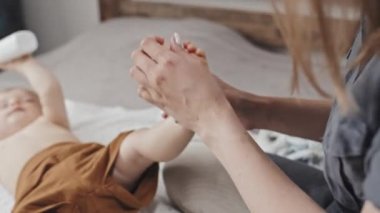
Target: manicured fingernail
(177, 38)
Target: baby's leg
(142, 148)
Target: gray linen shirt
(352, 142)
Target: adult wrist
(222, 131)
(253, 110)
(215, 119)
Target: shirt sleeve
(371, 185)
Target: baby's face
(18, 108)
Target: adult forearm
(298, 117)
(262, 185)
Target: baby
(48, 169)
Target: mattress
(93, 70)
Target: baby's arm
(141, 148)
(47, 87)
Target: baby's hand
(193, 49)
(19, 64)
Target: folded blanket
(293, 148)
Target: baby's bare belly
(18, 149)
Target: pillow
(197, 182)
(93, 67)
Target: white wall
(57, 21)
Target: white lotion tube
(17, 45)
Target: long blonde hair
(333, 22)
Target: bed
(93, 70)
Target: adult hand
(235, 96)
(179, 83)
(191, 49)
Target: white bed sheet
(86, 121)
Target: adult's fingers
(138, 75)
(155, 96)
(143, 92)
(164, 115)
(152, 48)
(150, 95)
(142, 61)
(193, 49)
(200, 53)
(160, 39)
(175, 43)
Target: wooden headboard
(257, 25)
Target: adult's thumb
(176, 43)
